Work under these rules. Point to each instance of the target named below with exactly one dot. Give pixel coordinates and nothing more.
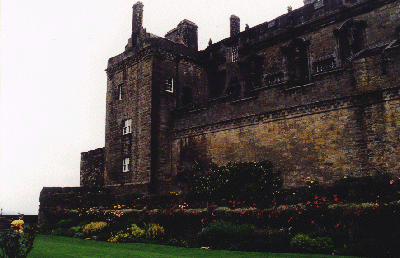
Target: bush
(79, 235)
(47, 226)
(136, 232)
(384, 248)
(305, 244)
(120, 236)
(66, 223)
(94, 228)
(122, 224)
(16, 244)
(153, 231)
(273, 240)
(224, 235)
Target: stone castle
(316, 91)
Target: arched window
(351, 38)
(297, 61)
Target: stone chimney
(137, 18)
(185, 33)
(235, 25)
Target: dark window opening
(124, 74)
(216, 80)
(251, 69)
(324, 65)
(274, 78)
(297, 61)
(234, 88)
(187, 96)
(350, 37)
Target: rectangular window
(120, 91)
(169, 85)
(274, 78)
(235, 54)
(127, 127)
(324, 65)
(125, 165)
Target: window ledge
(300, 86)
(271, 86)
(334, 70)
(221, 98)
(243, 99)
(197, 110)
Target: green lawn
(52, 246)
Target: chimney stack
(137, 18)
(235, 25)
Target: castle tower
(235, 25)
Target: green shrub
(273, 240)
(123, 224)
(79, 235)
(153, 231)
(120, 236)
(374, 248)
(224, 235)
(15, 244)
(306, 244)
(47, 226)
(66, 223)
(94, 228)
(136, 232)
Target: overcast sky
(53, 83)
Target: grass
(53, 246)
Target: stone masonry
(316, 91)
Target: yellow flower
(205, 247)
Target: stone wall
(92, 168)
(355, 136)
(136, 83)
(316, 91)
(340, 121)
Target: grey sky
(53, 83)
